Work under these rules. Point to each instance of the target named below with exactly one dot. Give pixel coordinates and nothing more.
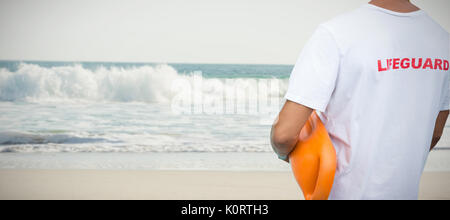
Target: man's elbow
(282, 143)
(281, 140)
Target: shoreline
(171, 185)
(438, 161)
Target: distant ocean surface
(54, 112)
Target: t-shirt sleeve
(313, 79)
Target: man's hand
(287, 127)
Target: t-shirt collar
(407, 14)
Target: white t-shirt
(379, 79)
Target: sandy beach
(180, 185)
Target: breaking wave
(31, 82)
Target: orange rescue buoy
(313, 160)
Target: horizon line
(141, 62)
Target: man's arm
(439, 128)
(286, 129)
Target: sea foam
(32, 82)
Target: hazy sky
(187, 31)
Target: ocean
(86, 115)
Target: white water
(34, 83)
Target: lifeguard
(369, 107)
(415, 63)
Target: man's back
(380, 78)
